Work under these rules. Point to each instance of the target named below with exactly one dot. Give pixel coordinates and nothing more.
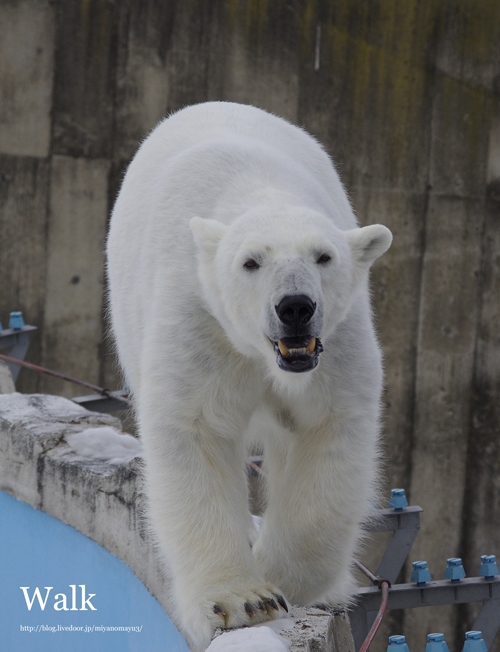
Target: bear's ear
(207, 233)
(369, 242)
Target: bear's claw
(219, 610)
(281, 602)
(249, 609)
(272, 603)
(228, 608)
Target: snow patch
(105, 443)
(6, 383)
(23, 408)
(259, 638)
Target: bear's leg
(319, 487)
(198, 504)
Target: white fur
(212, 186)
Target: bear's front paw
(227, 609)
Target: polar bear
(240, 307)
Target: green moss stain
(103, 30)
(385, 59)
(407, 28)
(465, 115)
(378, 53)
(232, 11)
(307, 23)
(251, 15)
(94, 28)
(479, 30)
(255, 15)
(85, 17)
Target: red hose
(99, 390)
(384, 586)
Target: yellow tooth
(312, 345)
(283, 349)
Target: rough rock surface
(102, 500)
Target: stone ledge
(103, 501)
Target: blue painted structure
(436, 643)
(420, 573)
(397, 643)
(454, 570)
(37, 550)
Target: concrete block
(310, 630)
(75, 268)
(313, 629)
(23, 235)
(6, 383)
(26, 73)
(459, 154)
(142, 77)
(468, 42)
(371, 86)
(395, 285)
(482, 506)
(448, 321)
(247, 78)
(103, 501)
(84, 79)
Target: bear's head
(280, 281)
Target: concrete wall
(405, 96)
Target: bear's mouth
(298, 354)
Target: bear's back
(190, 127)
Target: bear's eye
(323, 259)
(251, 264)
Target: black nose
(294, 310)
